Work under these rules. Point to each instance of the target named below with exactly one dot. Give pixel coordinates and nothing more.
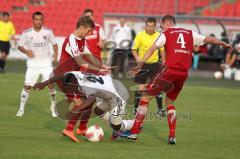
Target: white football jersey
(101, 86)
(40, 43)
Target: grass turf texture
(212, 132)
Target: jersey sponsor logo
(179, 31)
(39, 44)
(182, 51)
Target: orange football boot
(70, 134)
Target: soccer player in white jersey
(110, 94)
(35, 42)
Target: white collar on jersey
(75, 36)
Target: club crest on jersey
(45, 37)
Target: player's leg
(171, 96)
(69, 130)
(85, 116)
(141, 113)
(101, 110)
(52, 95)
(23, 100)
(172, 120)
(141, 79)
(154, 70)
(46, 73)
(3, 57)
(4, 51)
(31, 77)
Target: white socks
(52, 95)
(24, 98)
(128, 124)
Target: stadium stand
(62, 14)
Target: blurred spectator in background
(122, 36)
(225, 39)
(96, 40)
(196, 56)
(142, 42)
(7, 31)
(231, 67)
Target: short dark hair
(151, 20)
(85, 21)
(5, 14)
(37, 13)
(169, 18)
(88, 10)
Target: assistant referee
(7, 32)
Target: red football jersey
(72, 46)
(179, 48)
(93, 40)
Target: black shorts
(5, 46)
(149, 71)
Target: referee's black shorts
(148, 72)
(4, 46)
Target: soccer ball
(218, 75)
(94, 133)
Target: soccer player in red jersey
(76, 56)
(178, 44)
(95, 40)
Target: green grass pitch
(211, 130)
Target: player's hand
(39, 86)
(104, 71)
(136, 69)
(29, 53)
(229, 47)
(106, 67)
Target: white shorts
(32, 74)
(116, 106)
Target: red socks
(86, 113)
(171, 116)
(141, 113)
(73, 120)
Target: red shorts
(171, 82)
(61, 69)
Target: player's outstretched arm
(149, 53)
(86, 64)
(41, 85)
(212, 40)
